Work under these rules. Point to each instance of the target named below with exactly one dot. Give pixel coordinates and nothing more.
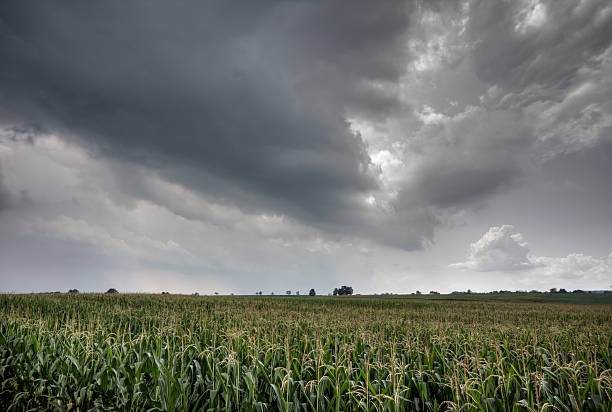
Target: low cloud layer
(73, 216)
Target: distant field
(576, 298)
(430, 352)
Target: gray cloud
(304, 126)
(499, 88)
(538, 46)
(251, 104)
(248, 102)
(4, 195)
(468, 157)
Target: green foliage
(171, 353)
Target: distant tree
(195, 294)
(344, 290)
(562, 290)
(271, 293)
(112, 290)
(418, 292)
(553, 290)
(73, 291)
(297, 293)
(216, 293)
(288, 292)
(165, 293)
(578, 291)
(534, 291)
(469, 291)
(433, 292)
(312, 292)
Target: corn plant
(187, 353)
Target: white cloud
(532, 16)
(438, 40)
(503, 249)
(500, 249)
(576, 266)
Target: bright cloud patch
(576, 266)
(501, 248)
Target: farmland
(151, 352)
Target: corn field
(188, 353)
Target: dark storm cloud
(248, 145)
(249, 104)
(547, 69)
(469, 159)
(542, 46)
(252, 96)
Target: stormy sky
(391, 146)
